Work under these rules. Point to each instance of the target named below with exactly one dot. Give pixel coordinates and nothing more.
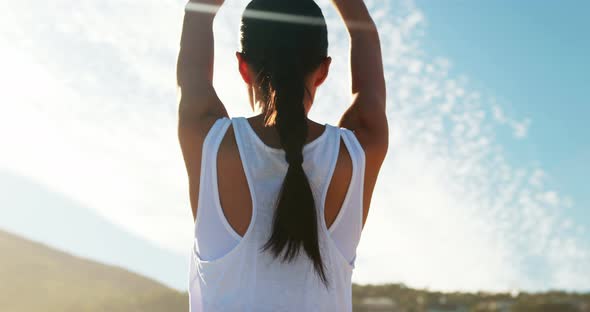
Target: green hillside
(399, 298)
(34, 277)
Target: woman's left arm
(199, 104)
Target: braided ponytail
(295, 219)
(283, 54)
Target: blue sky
(483, 187)
(533, 56)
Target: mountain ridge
(36, 277)
(33, 210)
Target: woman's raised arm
(366, 115)
(199, 104)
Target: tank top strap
(346, 229)
(210, 221)
(358, 157)
(252, 159)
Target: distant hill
(31, 209)
(34, 277)
(399, 298)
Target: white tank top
(229, 273)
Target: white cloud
(498, 114)
(549, 198)
(91, 109)
(519, 128)
(537, 177)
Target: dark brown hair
(284, 41)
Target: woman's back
(230, 272)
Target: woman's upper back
(239, 181)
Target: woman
(279, 201)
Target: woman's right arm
(366, 116)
